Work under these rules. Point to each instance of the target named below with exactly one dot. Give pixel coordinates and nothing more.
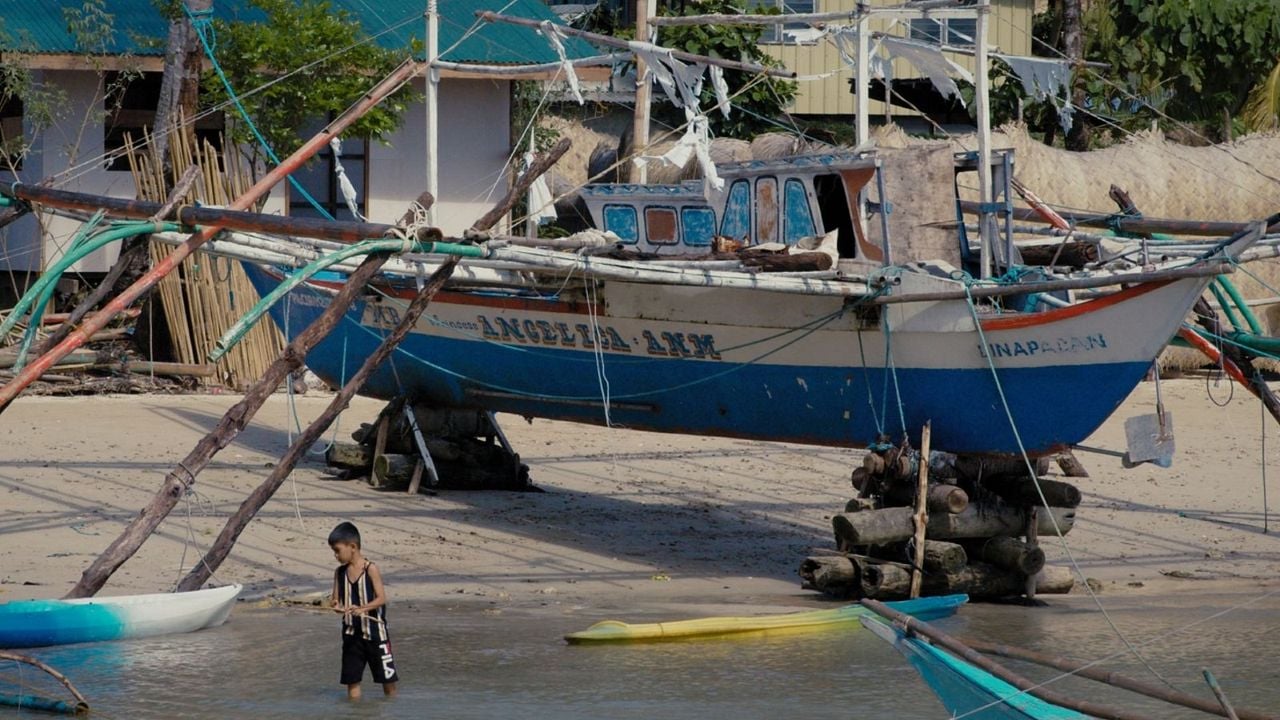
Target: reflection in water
(463, 663)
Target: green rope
(202, 21)
(28, 337)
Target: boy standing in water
(359, 595)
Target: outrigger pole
(81, 335)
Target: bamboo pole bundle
(209, 293)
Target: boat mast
(987, 233)
(644, 91)
(863, 81)
(431, 97)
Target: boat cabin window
(621, 221)
(660, 226)
(697, 224)
(797, 218)
(766, 210)
(737, 211)
(833, 206)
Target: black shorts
(358, 652)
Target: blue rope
(202, 21)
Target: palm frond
(1262, 109)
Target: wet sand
(627, 519)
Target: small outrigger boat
(35, 623)
(611, 631)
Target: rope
(1013, 426)
(201, 22)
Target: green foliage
(757, 106)
(1262, 111)
(1198, 58)
(307, 34)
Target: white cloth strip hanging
(556, 38)
(929, 60)
(1045, 79)
(344, 183)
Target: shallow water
(468, 663)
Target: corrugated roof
(41, 26)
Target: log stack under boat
(982, 518)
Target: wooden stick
(244, 514)
(99, 294)
(912, 625)
(922, 510)
(521, 186)
(180, 479)
(78, 337)
(82, 704)
(1124, 682)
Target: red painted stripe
(1026, 320)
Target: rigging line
(1144, 102)
(92, 164)
(1031, 473)
(866, 376)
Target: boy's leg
(383, 667)
(389, 689)
(353, 662)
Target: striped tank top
(360, 592)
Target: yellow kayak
(930, 608)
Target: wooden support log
(1055, 580)
(392, 472)
(859, 504)
(236, 524)
(181, 478)
(800, 262)
(1008, 553)
(978, 580)
(885, 581)
(1071, 465)
(1022, 491)
(982, 468)
(1067, 254)
(888, 525)
(921, 517)
(939, 555)
(837, 576)
(349, 455)
(941, 498)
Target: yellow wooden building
(1009, 30)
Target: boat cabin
(784, 200)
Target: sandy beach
(625, 519)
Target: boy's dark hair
(345, 533)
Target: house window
(660, 226)
(12, 142)
(621, 221)
(698, 225)
(779, 33)
(129, 104)
(958, 32)
(319, 178)
(737, 211)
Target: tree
(332, 65)
(1203, 57)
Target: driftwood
(180, 479)
(1008, 553)
(1067, 254)
(879, 527)
(976, 468)
(1071, 465)
(81, 706)
(939, 555)
(859, 504)
(835, 575)
(798, 262)
(244, 514)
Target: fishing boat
(35, 623)
(613, 631)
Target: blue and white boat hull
(752, 364)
